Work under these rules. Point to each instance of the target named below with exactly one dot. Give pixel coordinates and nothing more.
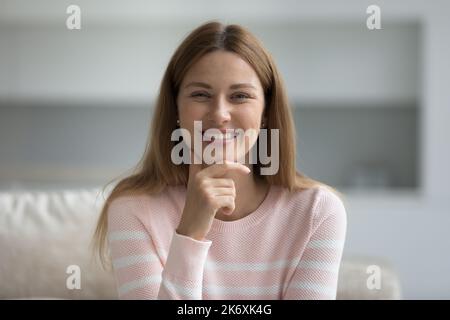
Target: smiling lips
(219, 137)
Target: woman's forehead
(221, 69)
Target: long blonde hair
(155, 170)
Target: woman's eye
(199, 95)
(241, 96)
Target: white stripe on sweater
(267, 266)
(230, 266)
(132, 260)
(192, 293)
(250, 266)
(319, 265)
(127, 235)
(325, 244)
(138, 283)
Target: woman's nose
(219, 111)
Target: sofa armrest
(355, 273)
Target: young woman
(222, 230)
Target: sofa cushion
(41, 235)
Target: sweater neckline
(250, 219)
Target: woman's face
(223, 92)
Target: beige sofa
(43, 233)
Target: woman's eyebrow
(207, 86)
(242, 85)
(198, 84)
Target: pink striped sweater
(290, 247)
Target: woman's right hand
(207, 193)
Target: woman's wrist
(185, 232)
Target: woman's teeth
(218, 136)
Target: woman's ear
(264, 122)
(177, 116)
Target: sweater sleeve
(138, 266)
(316, 275)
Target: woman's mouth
(218, 138)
